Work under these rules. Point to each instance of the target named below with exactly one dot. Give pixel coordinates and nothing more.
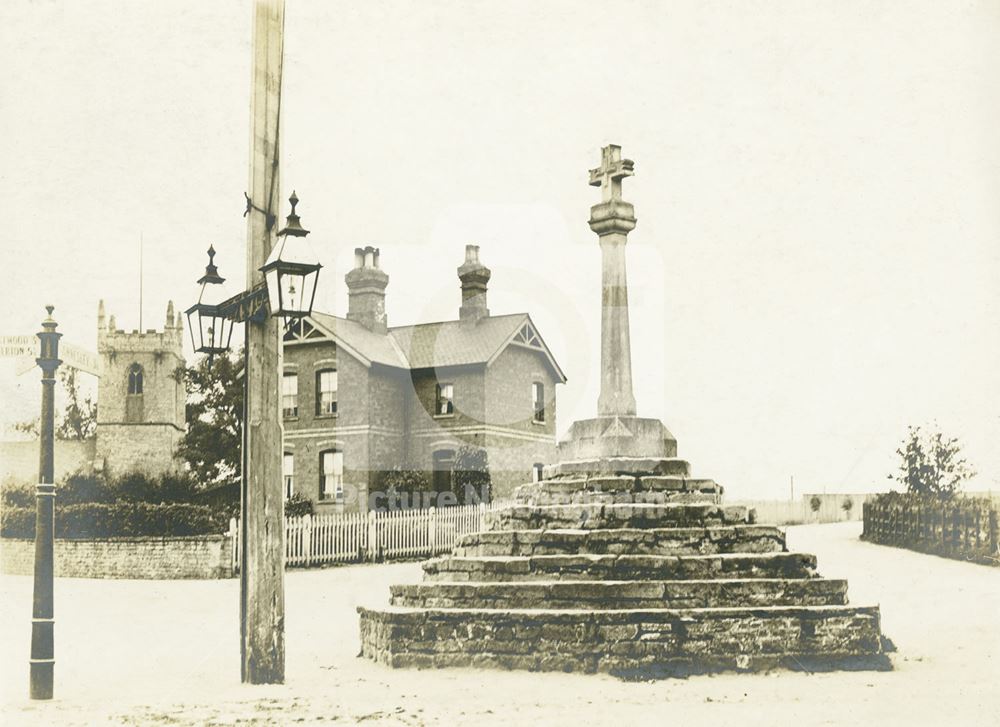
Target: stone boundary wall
(152, 558)
(809, 509)
(964, 528)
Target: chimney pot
(474, 276)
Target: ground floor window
(331, 475)
(444, 464)
(288, 473)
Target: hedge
(116, 520)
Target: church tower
(140, 397)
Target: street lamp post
(42, 614)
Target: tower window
(134, 379)
(536, 472)
(288, 473)
(290, 395)
(538, 401)
(326, 392)
(445, 400)
(331, 475)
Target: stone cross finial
(612, 171)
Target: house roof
(368, 346)
(434, 345)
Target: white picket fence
(374, 536)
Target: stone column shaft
(616, 396)
(612, 221)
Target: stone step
(620, 567)
(587, 497)
(602, 595)
(604, 466)
(624, 541)
(631, 643)
(597, 516)
(619, 490)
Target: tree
(211, 446)
(78, 421)
(471, 478)
(931, 464)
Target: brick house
(360, 398)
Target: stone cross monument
(618, 560)
(612, 220)
(616, 431)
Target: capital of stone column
(611, 217)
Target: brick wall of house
(387, 417)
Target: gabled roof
(367, 346)
(434, 345)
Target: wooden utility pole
(262, 585)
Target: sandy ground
(167, 652)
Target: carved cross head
(612, 171)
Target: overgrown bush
(297, 506)
(471, 479)
(17, 494)
(931, 464)
(115, 520)
(80, 488)
(402, 487)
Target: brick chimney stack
(474, 276)
(366, 285)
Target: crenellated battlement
(140, 417)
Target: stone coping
(414, 615)
(620, 594)
(619, 567)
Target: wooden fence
(374, 536)
(962, 527)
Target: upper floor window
(326, 392)
(288, 473)
(135, 379)
(331, 475)
(538, 401)
(445, 400)
(290, 395)
(536, 472)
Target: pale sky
(817, 259)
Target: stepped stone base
(620, 567)
(609, 595)
(623, 564)
(624, 541)
(598, 516)
(648, 641)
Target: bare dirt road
(167, 652)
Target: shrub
(115, 520)
(402, 486)
(931, 464)
(471, 479)
(815, 503)
(297, 505)
(17, 494)
(135, 487)
(80, 488)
